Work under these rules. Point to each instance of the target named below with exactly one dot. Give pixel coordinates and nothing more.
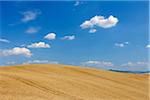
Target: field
(62, 82)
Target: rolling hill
(62, 82)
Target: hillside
(61, 82)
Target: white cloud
(95, 63)
(121, 44)
(10, 63)
(40, 62)
(148, 46)
(39, 45)
(29, 16)
(72, 37)
(76, 3)
(100, 21)
(50, 36)
(4, 40)
(16, 51)
(134, 64)
(31, 30)
(92, 30)
(126, 42)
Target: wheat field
(62, 82)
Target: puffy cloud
(39, 45)
(16, 51)
(134, 64)
(40, 62)
(92, 30)
(95, 63)
(148, 46)
(121, 44)
(76, 3)
(4, 40)
(126, 42)
(100, 21)
(72, 37)
(50, 36)
(31, 30)
(30, 15)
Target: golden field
(62, 82)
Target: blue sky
(108, 35)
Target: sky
(99, 34)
